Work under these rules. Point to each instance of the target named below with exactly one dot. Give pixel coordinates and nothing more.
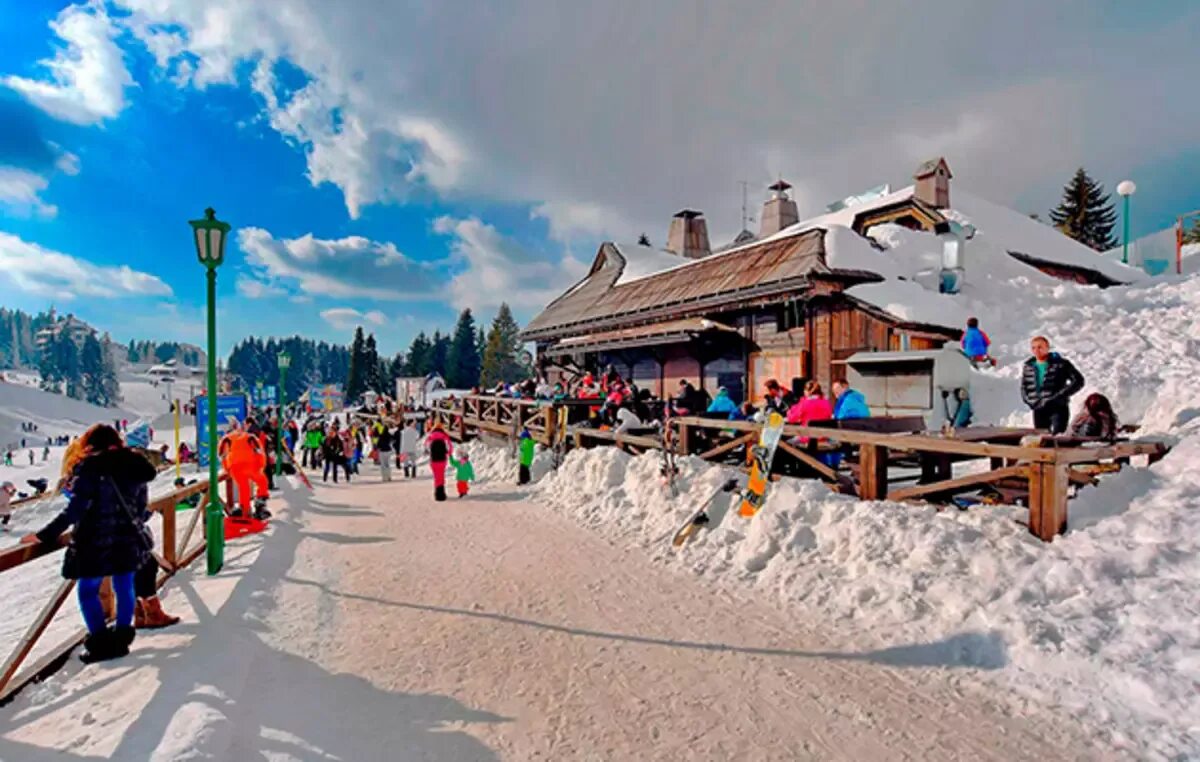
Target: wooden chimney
(688, 236)
(779, 211)
(932, 180)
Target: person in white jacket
(7, 490)
(627, 419)
(410, 447)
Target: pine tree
(91, 370)
(1086, 213)
(1192, 235)
(372, 379)
(356, 378)
(500, 356)
(419, 356)
(439, 349)
(462, 360)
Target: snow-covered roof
(641, 261)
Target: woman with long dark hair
(109, 537)
(1096, 419)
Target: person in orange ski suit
(243, 458)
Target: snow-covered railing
(174, 554)
(507, 416)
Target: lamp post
(210, 234)
(285, 360)
(1126, 189)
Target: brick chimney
(688, 236)
(779, 211)
(932, 183)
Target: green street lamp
(210, 234)
(1126, 189)
(285, 360)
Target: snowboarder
(976, 344)
(409, 443)
(850, 403)
(438, 445)
(1047, 382)
(7, 490)
(464, 472)
(526, 459)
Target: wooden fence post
(684, 439)
(872, 472)
(168, 529)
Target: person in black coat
(107, 510)
(1047, 382)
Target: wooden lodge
(772, 309)
(768, 306)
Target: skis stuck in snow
(760, 471)
(706, 515)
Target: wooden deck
(881, 458)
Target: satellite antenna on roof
(746, 217)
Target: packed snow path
(372, 623)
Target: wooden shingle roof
(598, 302)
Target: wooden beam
(17, 657)
(872, 472)
(1120, 450)
(731, 445)
(955, 485)
(808, 460)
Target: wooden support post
(168, 538)
(825, 471)
(1048, 499)
(684, 440)
(746, 439)
(34, 632)
(872, 472)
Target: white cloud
(20, 191)
(495, 269)
(344, 318)
(37, 270)
(616, 126)
(344, 267)
(87, 76)
(252, 288)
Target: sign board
(264, 396)
(228, 406)
(326, 398)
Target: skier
(976, 344)
(31, 457)
(410, 441)
(7, 490)
(45, 453)
(464, 472)
(850, 403)
(526, 458)
(1047, 382)
(242, 456)
(438, 445)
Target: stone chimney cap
(688, 214)
(779, 186)
(930, 166)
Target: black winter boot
(106, 644)
(439, 494)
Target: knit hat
(525, 434)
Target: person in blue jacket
(848, 403)
(723, 405)
(976, 344)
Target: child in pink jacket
(812, 407)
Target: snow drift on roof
(641, 261)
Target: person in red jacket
(813, 406)
(243, 458)
(439, 447)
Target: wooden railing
(174, 554)
(464, 417)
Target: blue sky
(390, 165)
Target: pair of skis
(752, 497)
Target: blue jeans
(88, 589)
